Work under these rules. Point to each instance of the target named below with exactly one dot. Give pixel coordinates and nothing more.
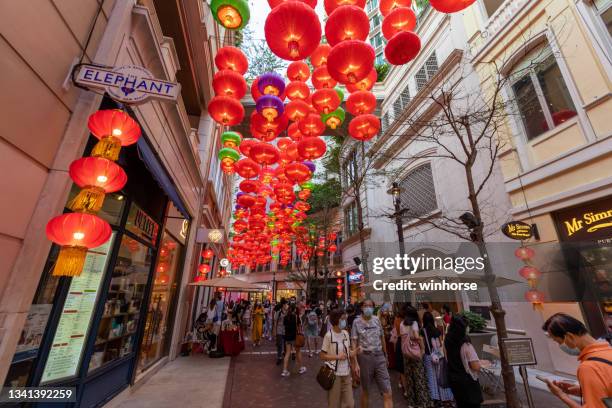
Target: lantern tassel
(70, 261)
(89, 200)
(108, 147)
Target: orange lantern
(364, 127)
(350, 61)
(319, 55)
(114, 128)
(402, 48)
(76, 233)
(298, 71)
(365, 84)
(231, 58)
(293, 30)
(451, 6)
(387, 6)
(297, 90)
(311, 125)
(331, 5)
(400, 19)
(226, 111)
(297, 110)
(311, 148)
(361, 102)
(246, 168)
(347, 23)
(534, 296)
(322, 79)
(229, 83)
(325, 100)
(96, 176)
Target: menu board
(72, 329)
(34, 328)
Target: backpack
(411, 347)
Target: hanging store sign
(214, 236)
(586, 223)
(355, 277)
(517, 230)
(128, 84)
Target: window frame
(409, 219)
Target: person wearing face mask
(336, 352)
(369, 340)
(595, 357)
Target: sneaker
(302, 370)
(285, 373)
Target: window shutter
(419, 193)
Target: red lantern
(530, 272)
(247, 168)
(255, 90)
(311, 125)
(451, 6)
(231, 58)
(347, 23)
(364, 127)
(274, 3)
(361, 102)
(365, 84)
(332, 248)
(293, 30)
(266, 130)
(298, 71)
(208, 254)
(249, 186)
(204, 269)
(246, 200)
(325, 100)
(524, 253)
(311, 148)
(294, 132)
(350, 61)
(245, 146)
(322, 79)
(76, 233)
(297, 90)
(297, 110)
(402, 48)
(226, 111)
(339, 294)
(534, 296)
(264, 153)
(319, 55)
(96, 176)
(114, 128)
(229, 83)
(387, 6)
(331, 5)
(400, 19)
(283, 143)
(298, 172)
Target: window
(350, 219)
(385, 123)
(380, 59)
(491, 6)
(541, 95)
(349, 168)
(405, 96)
(374, 22)
(426, 72)
(420, 7)
(418, 192)
(397, 108)
(604, 10)
(372, 4)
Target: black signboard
(590, 222)
(517, 230)
(519, 351)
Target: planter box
(479, 339)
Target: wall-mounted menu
(72, 329)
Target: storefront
(586, 234)
(98, 331)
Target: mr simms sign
(128, 84)
(588, 223)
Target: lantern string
(91, 30)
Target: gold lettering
(573, 227)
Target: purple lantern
(271, 83)
(311, 166)
(270, 107)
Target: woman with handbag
(433, 359)
(294, 339)
(416, 390)
(338, 359)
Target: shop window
(418, 192)
(540, 92)
(350, 219)
(604, 10)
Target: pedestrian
(416, 390)
(258, 317)
(432, 359)
(368, 339)
(595, 357)
(336, 352)
(292, 324)
(463, 365)
(311, 330)
(397, 344)
(278, 329)
(447, 314)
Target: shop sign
(205, 235)
(128, 84)
(355, 277)
(587, 223)
(142, 225)
(519, 351)
(517, 230)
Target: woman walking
(311, 331)
(416, 390)
(335, 352)
(432, 360)
(292, 324)
(463, 365)
(258, 317)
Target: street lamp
(395, 191)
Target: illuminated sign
(517, 230)
(355, 277)
(591, 222)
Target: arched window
(418, 192)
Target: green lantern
(231, 139)
(307, 185)
(231, 14)
(340, 93)
(334, 119)
(227, 155)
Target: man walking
(368, 338)
(278, 330)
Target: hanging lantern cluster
(96, 176)
(399, 22)
(231, 14)
(204, 267)
(229, 86)
(292, 29)
(531, 274)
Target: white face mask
(569, 350)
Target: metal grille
(405, 96)
(397, 108)
(431, 65)
(420, 78)
(385, 122)
(419, 193)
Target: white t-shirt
(333, 345)
(468, 354)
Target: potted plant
(476, 322)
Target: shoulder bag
(410, 346)
(326, 375)
(300, 340)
